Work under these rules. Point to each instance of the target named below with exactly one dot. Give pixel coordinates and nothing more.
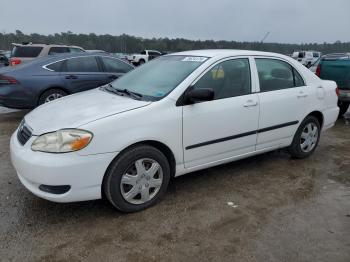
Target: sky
(287, 21)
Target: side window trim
(258, 90)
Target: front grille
(24, 133)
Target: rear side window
(276, 74)
(82, 64)
(228, 79)
(26, 51)
(58, 50)
(115, 66)
(75, 50)
(57, 67)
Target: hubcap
(52, 97)
(142, 181)
(309, 137)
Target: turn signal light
(337, 91)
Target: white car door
(225, 127)
(283, 99)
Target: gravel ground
(265, 208)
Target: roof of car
(46, 45)
(225, 52)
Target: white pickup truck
(143, 57)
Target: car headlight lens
(62, 141)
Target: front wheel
(306, 138)
(137, 179)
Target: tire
(301, 147)
(126, 188)
(52, 93)
(343, 108)
(141, 62)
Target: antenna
(264, 38)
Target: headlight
(62, 141)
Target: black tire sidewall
(50, 92)
(343, 107)
(111, 183)
(295, 148)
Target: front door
(82, 73)
(225, 127)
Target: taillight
(318, 71)
(15, 61)
(337, 91)
(8, 80)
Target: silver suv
(22, 53)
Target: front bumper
(84, 174)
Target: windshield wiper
(127, 92)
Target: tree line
(129, 44)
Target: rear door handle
(71, 77)
(250, 103)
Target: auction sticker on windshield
(194, 59)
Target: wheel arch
(156, 144)
(51, 88)
(319, 117)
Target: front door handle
(301, 95)
(250, 103)
(71, 77)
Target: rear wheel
(51, 95)
(306, 138)
(343, 108)
(137, 179)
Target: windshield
(156, 79)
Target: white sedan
(177, 114)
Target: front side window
(276, 74)
(156, 79)
(115, 66)
(82, 64)
(228, 79)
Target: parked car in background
(52, 77)
(307, 58)
(314, 66)
(336, 67)
(174, 115)
(5, 58)
(22, 53)
(96, 51)
(143, 57)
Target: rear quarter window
(26, 51)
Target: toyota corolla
(177, 114)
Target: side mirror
(199, 95)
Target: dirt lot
(281, 210)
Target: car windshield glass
(156, 79)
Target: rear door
(284, 100)
(82, 73)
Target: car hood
(79, 109)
